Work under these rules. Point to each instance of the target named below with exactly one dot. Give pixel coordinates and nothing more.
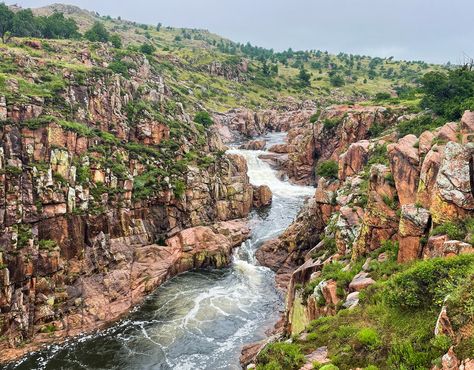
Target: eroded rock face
(404, 163)
(86, 205)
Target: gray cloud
(431, 30)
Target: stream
(199, 319)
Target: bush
(328, 169)
(148, 49)
(369, 338)
(116, 41)
(97, 33)
(287, 356)
(337, 80)
(427, 283)
(449, 95)
(418, 125)
(47, 245)
(382, 96)
(329, 367)
(453, 230)
(203, 118)
(331, 123)
(314, 118)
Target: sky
(436, 31)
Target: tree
(148, 49)
(116, 41)
(6, 19)
(24, 24)
(158, 27)
(304, 77)
(57, 26)
(337, 80)
(204, 118)
(449, 95)
(97, 32)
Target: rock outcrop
(96, 212)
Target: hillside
(224, 75)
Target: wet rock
(254, 145)
(262, 196)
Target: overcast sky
(431, 30)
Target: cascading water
(201, 319)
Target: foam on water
(200, 319)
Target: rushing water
(201, 319)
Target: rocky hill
(114, 177)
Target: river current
(199, 319)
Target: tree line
(24, 23)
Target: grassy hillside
(186, 57)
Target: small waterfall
(200, 319)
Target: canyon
(181, 206)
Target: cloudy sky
(431, 30)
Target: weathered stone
(361, 281)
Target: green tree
(6, 20)
(304, 77)
(148, 49)
(449, 95)
(158, 27)
(57, 26)
(337, 80)
(97, 32)
(24, 24)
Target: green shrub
(427, 283)
(203, 118)
(97, 32)
(418, 125)
(337, 80)
(116, 41)
(314, 118)
(329, 367)
(287, 356)
(330, 124)
(328, 169)
(453, 230)
(449, 95)
(148, 49)
(382, 96)
(47, 245)
(369, 338)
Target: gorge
(170, 199)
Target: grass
(393, 327)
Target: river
(200, 319)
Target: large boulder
(262, 196)
(254, 145)
(414, 222)
(354, 159)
